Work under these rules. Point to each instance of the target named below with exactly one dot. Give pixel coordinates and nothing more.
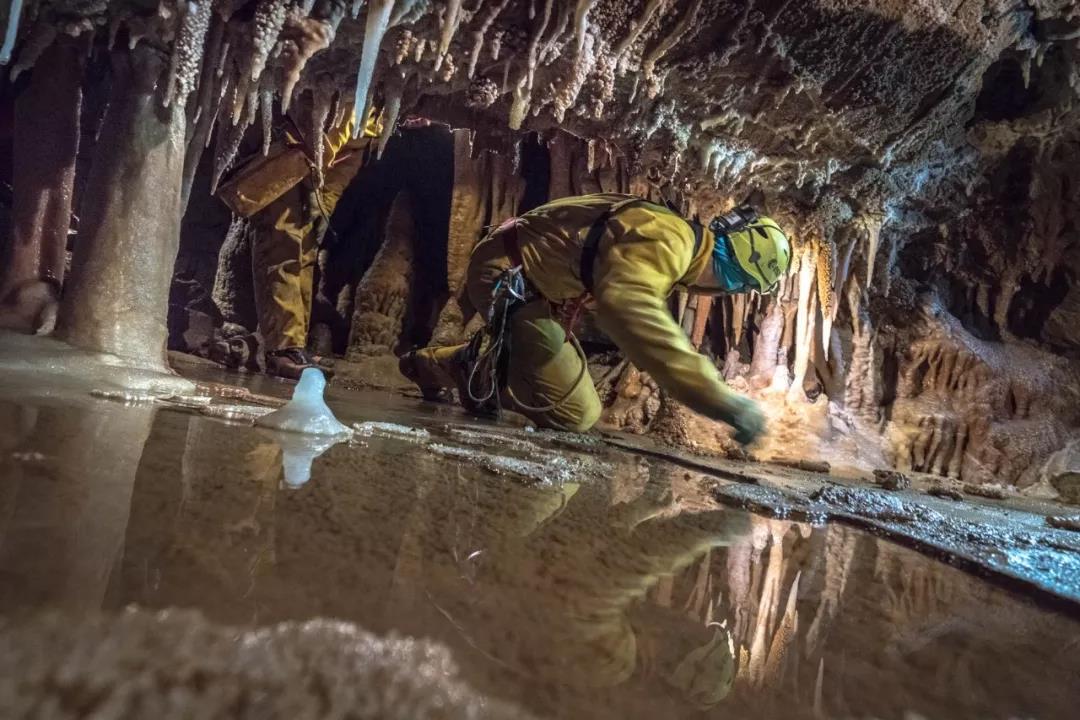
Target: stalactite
(451, 19)
(41, 37)
(267, 25)
(519, 104)
(804, 325)
(228, 142)
(322, 97)
(827, 259)
(738, 318)
(409, 12)
(581, 23)
(648, 66)
(187, 52)
(251, 107)
(872, 225)
(566, 90)
(305, 37)
(638, 26)
(478, 37)
(236, 105)
(522, 90)
(393, 90)
(786, 632)
(342, 108)
(12, 31)
(378, 19)
(266, 106)
(552, 47)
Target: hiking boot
(291, 362)
(436, 375)
(409, 365)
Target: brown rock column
(46, 143)
(117, 298)
(382, 297)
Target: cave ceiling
(872, 102)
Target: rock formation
(922, 154)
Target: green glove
(747, 419)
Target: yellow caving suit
(284, 241)
(645, 251)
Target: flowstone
(34, 362)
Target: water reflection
(595, 598)
(65, 496)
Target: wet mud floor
(566, 578)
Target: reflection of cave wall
(819, 615)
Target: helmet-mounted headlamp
(738, 219)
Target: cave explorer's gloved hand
(747, 419)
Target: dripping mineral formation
(924, 155)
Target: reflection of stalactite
(839, 554)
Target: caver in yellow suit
(624, 256)
(289, 207)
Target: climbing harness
(489, 350)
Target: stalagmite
(12, 31)
(451, 19)
(378, 19)
(117, 298)
(470, 208)
(382, 296)
(188, 51)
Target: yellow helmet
(762, 251)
